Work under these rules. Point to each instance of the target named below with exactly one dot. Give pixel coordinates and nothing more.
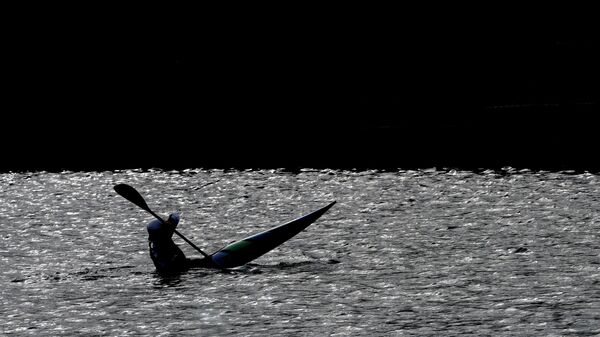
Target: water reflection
(162, 280)
(419, 252)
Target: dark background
(304, 87)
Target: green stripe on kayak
(237, 245)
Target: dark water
(424, 253)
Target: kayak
(243, 251)
(237, 253)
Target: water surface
(423, 253)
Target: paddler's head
(158, 230)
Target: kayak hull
(243, 251)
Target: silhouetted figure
(165, 254)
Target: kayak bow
(243, 251)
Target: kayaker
(165, 254)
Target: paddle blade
(132, 195)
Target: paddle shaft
(191, 244)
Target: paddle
(131, 194)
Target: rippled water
(421, 253)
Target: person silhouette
(165, 254)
